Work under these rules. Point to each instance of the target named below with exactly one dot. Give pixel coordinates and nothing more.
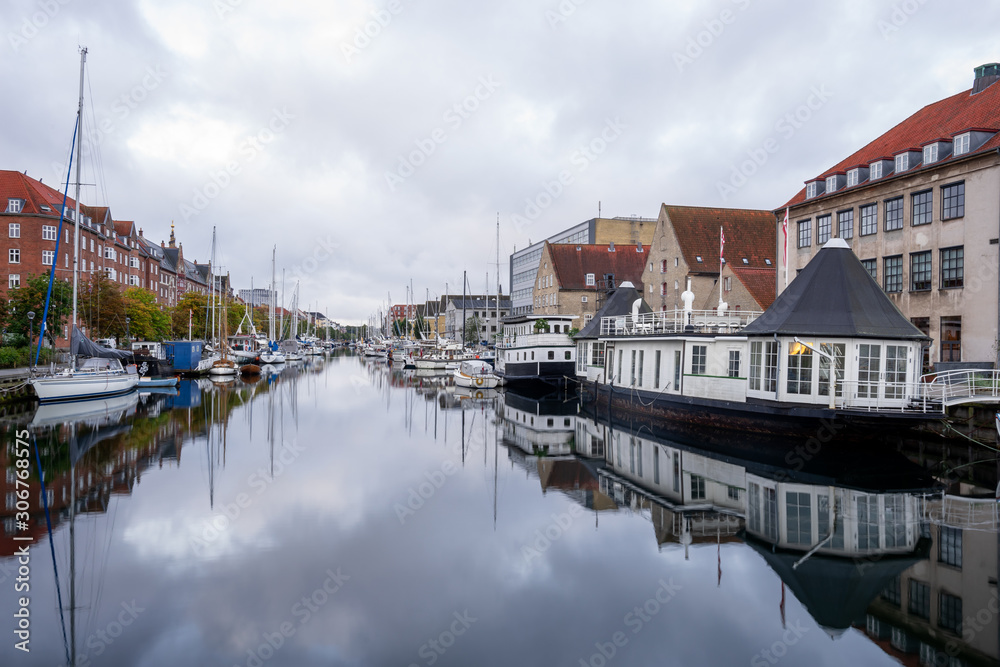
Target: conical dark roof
(619, 303)
(834, 296)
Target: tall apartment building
(919, 206)
(524, 263)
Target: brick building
(686, 244)
(572, 279)
(919, 206)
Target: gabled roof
(124, 227)
(943, 119)
(99, 215)
(834, 296)
(573, 262)
(759, 281)
(619, 302)
(749, 233)
(14, 184)
(481, 303)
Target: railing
(677, 321)
(966, 513)
(964, 386)
(533, 340)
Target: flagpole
(784, 227)
(722, 245)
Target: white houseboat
(771, 372)
(537, 349)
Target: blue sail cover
(82, 346)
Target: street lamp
(31, 331)
(127, 336)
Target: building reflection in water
(863, 537)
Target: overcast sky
(376, 142)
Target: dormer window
(814, 189)
(962, 143)
(930, 153)
(903, 162)
(14, 205)
(875, 170)
(831, 183)
(856, 176)
(590, 279)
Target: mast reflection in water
(344, 513)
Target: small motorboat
(146, 383)
(250, 369)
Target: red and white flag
(722, 244)
(784, 229)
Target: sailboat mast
(76, 216)
(270, 319)
(211, 287)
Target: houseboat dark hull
(753, 416)
(550, 373)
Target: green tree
(473, 329)
(541, 326)
(147, 321)
(30, 296)
(399, 328)
(193, 308)
(102, 307)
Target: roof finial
(172, 239)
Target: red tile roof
(943, 119)
(760, 282)
(123, 227)
(14, 184)
(573, 262)
(749, 233)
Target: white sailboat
(271, 355)
(103, 374)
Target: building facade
(482, 307)
(686, 245)
(524, 263)
(574, 279)
(919, 206)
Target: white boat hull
(72, 386)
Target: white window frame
(811, 190)
(14, 230)
(590, 280)
(14, 256)
(13, 205)
(930, 153)
(875, 170)
(13, 280)
(48, 257)
(831, 183)
(962, 143)
(583, 299)
(901, 163)
(852, 177)
(49, 232)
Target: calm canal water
(341, 513)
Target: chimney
(611, 247)
(986, 76)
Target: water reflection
(384, 516)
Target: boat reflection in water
(876, 546)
